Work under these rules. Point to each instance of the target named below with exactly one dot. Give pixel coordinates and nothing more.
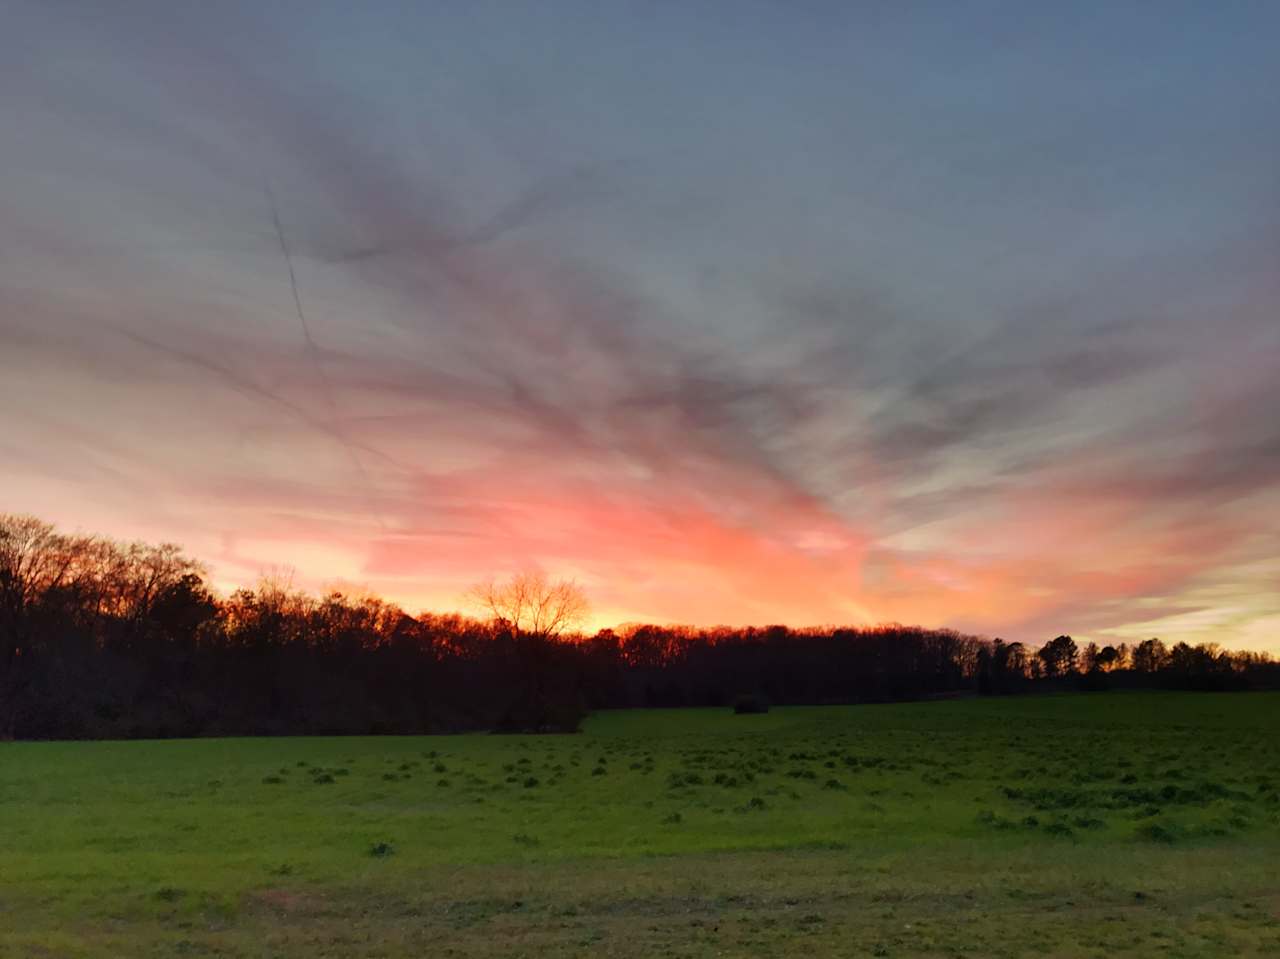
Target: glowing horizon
(764, 319)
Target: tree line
(104, 639)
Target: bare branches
(531, 605)
(117, 579)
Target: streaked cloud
(799, 318)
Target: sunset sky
(955, 314)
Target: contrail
(297, 300)
(247, 387)
(313, 354)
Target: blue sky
(961, 314)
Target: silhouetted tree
(1149, 656)
(528, 604)
(533, 612)
(1058, 656)
(104, 639)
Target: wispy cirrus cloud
(774, 356)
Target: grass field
(1134, 824)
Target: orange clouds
(797, 387)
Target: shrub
(678, 779)
(382, 849)
(1155, 832)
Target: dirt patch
(285, 902)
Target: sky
(957, 314)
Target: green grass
(1138, 824)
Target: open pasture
(1140, 824)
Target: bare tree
(531, 605)
(34, 557)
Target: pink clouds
(714, 391)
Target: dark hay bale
(750, 704)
